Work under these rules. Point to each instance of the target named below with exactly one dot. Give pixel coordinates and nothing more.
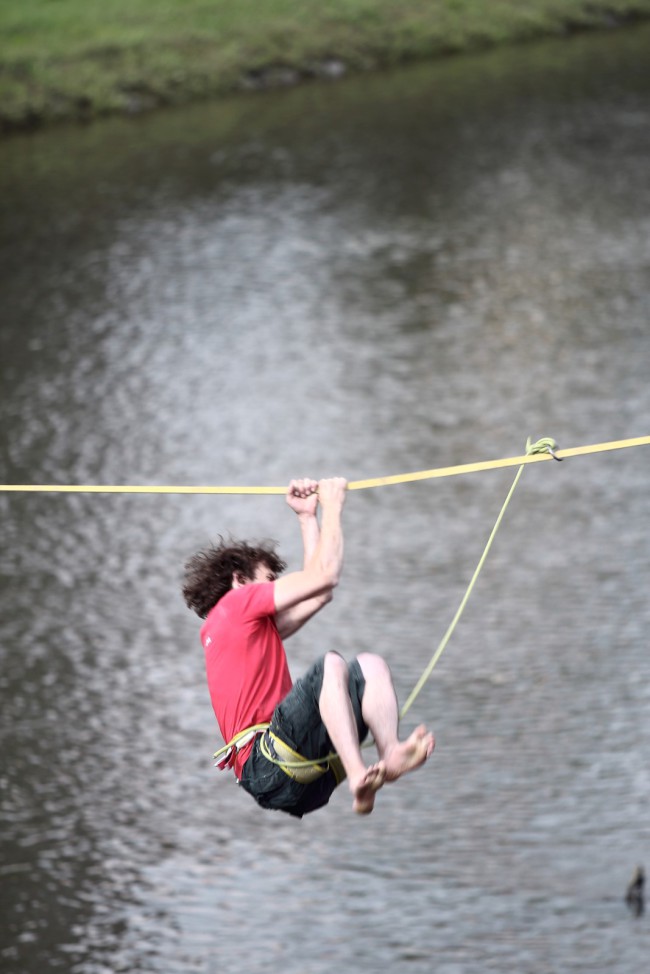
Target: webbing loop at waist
(294, 764)
(275, 750)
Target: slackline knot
(546, 445)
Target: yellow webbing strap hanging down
(353, 485)
(544, 446)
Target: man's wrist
(307, 516)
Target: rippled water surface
(386, 275)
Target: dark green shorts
(297, 721)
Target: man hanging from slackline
(248, 610)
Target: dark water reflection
(394, 273)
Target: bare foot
(366, 786)
(409, 754)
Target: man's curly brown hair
(209, 573)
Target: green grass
(63, 59)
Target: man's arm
(302, 498)
(300, 595)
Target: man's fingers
(332, 486)
(306, 487)
(303, 487)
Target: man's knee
(374, 666)
(335, 665)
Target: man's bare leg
(380, 712)
(337, 715)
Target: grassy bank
(67, 59)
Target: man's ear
(238, 580)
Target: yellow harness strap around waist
(295, 765)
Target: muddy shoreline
(54, 106)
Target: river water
(385, 275)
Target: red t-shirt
(245, 661)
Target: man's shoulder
(237, 608)
(255, 599)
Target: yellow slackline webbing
(353, 485)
